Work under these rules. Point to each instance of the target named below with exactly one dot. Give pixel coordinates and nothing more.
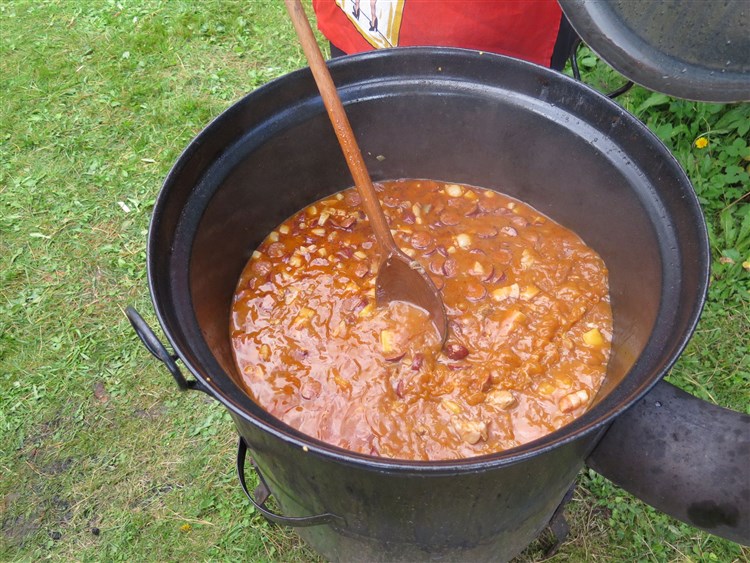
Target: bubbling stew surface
(529, 337)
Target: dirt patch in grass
(57, 466)
(30, 512)
(16, 530)
(154, 412)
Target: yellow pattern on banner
(378, 21)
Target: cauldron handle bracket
(157, 349)
(262, 493)
(577, 73)
(685, 457)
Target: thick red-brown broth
(530, 325)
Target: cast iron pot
(490, 121)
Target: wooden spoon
(400, 278)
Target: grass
(101, 458)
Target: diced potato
(295, 261)
(452, 406)
(506, 292)
(529, 292)
(477, 269)
(339, 196)
(475, 398)
(360, 255)
(303, 317)
(319, 231)
(387, 341)
(527, 259)
(273, 236)
(367, 310)
(502, 398)
(340, 330)
(284, 229)
(265, 352)
(452, 250)
(510, 322)
(454, 190)
(323, 218)
(563, 381)
(256, 371)
(593, 337)
(470, 195)
(546, 388)
(463, 240)
(572, 401)
(410, 252)
(312, 210)
(473, 431)
(256, 255)
(290, 295)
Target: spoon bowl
(401, 278)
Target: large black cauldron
(490, 121)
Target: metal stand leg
(558, 525)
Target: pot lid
(683, 48)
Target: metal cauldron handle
(577, 73)
(157, 349)
(262, 493)
(685, 457)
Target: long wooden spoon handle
(342, 127)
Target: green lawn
(100, 457)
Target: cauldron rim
(596, 418)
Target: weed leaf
(743, 237)
(728, 226)
(653, 100)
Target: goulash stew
(529, 338)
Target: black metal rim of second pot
(595, 419)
